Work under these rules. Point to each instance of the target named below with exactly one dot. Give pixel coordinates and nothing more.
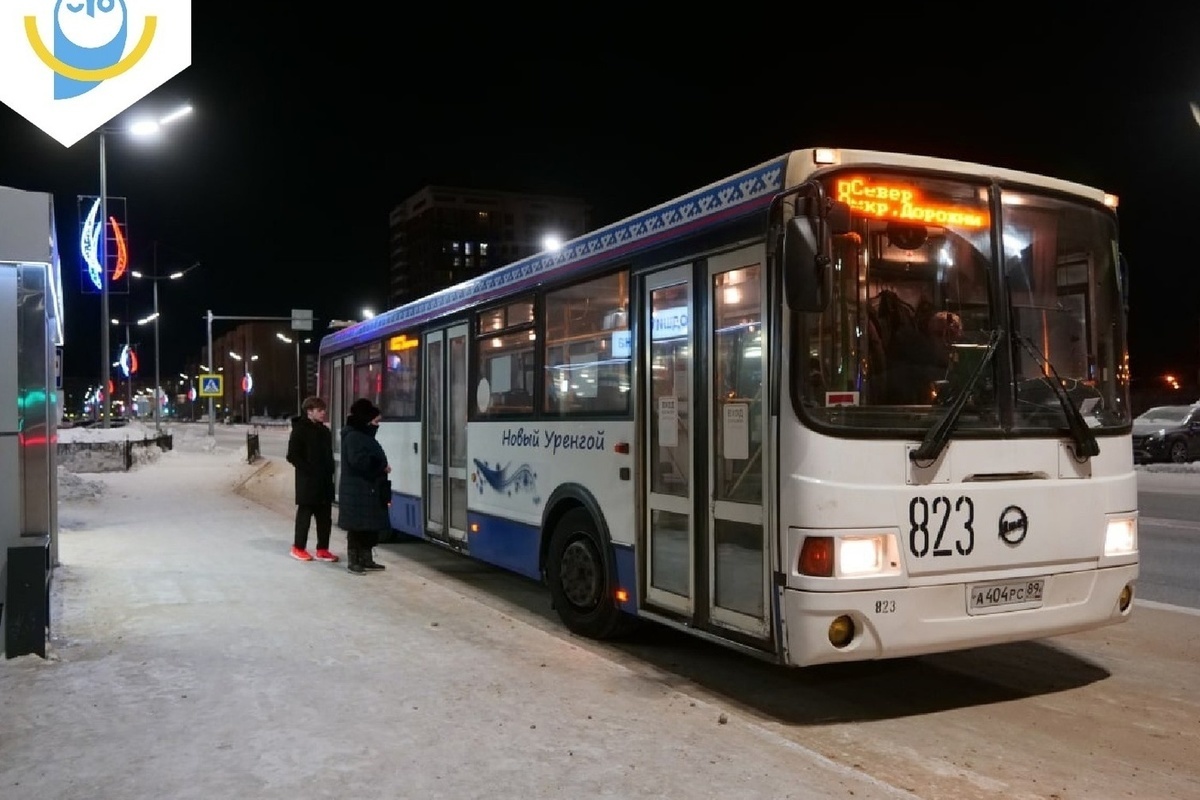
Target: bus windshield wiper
(1082, 437)
(939, 434)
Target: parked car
(1167, 433)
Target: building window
(483, 248)
(588, 347)
(483, 216)
(468, 248)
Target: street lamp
(247, 382)
(154, 279)
(288, 340)
(140, 128)
(128, 353)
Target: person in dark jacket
(362, 490)
(310, 451)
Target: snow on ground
(191, 446)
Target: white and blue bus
(844, 405)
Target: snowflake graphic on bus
(522, 479)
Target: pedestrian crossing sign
(212, 385)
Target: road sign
(302, 319)
(212, 385)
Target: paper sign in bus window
(668, 422)
(735, 429)
(500, 368)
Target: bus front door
(706, 556)
(737, 555)
(445, 497)
(669, 554)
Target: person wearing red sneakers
(310, 451)
(362, 504)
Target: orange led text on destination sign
(901, 202)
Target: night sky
(309, 126)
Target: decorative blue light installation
(90, 241)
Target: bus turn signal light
(816, 556)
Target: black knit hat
(364, 410)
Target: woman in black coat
(362, 493)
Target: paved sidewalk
(193, 658)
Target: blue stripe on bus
(626, 576)
(508, 544)
(406, 514)
(516, 545)
(732, 197)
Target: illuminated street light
(139, 129)
(289, 340)
(149, 127)
(154, 279)
(552, 242)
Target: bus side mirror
(807, 245)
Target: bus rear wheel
(579, 580)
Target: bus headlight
(867, 554)
(849, 555)
(1120, 537)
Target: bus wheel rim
(580, 574)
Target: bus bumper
(933, 619)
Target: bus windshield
(923, 291)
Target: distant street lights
(141, 129)
(154, 279)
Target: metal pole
(129, 378)
(212, 365)
(105, 356)
(157, 380)
(299, 400)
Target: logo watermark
(69, 66)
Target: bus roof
(715, 203)
(718, 202)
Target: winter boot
(354, 561)
(368, 560)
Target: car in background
(1167, 433)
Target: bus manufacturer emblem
(1013, 525)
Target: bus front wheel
(579, 581)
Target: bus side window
(505, 360)
(588, 349)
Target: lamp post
(288, 340)
(133, 357)
(139, 128)
(190, 380)
(245, 385)
(154, 279)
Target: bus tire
(580, 585)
